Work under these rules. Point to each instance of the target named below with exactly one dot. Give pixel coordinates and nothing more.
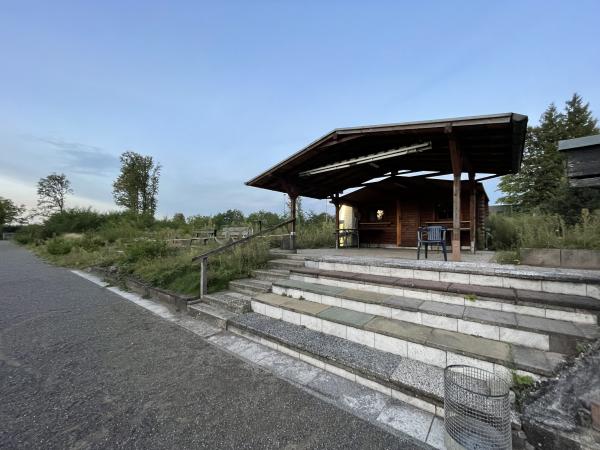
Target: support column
(456, 171)
(473, 211)
(293, 199)
(335, 199)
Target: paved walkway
(398, 253)
(81, 367)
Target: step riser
(557, 287)
(207, 317)
(454, 299)
(420, 352)
(283, 265)
(245, 290)
(269, 277)
(527, 338)
(425, 405)
(220, 304)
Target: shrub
(316, 235)
(76, 220)
(29, 234)
(90, 243)
(58, 246)
(504, 234)
(145, 249)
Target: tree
(266, 218)
(541, 184)
(52, 191)
(10, 212)
(136, 188)
(229, 218)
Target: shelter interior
(389, 212)
(481, 146)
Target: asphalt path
(80, 367)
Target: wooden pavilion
(348, 157)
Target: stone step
(583, 283)
(420, 342)
(231, 301)
(573, 308)
(281, 252)
(530, 331)
(213, 314)
(402, 378)
(271, 274)
(249, 286)
(285, 264)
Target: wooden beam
(489, 177)
(473, 211)
(456, 161)
(335, 199)
(398, 223)
(293, 199)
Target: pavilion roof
(347, 157)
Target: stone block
(361, 336)
(485, 280)
(407, 419)
(427, 355)
(291, 317)
(442, 322)
(417, 402)
(378, 310)
(548, 257)
(313, 323)
(431, 275)
(352, 305)
(525, 338)
(454, 277)
(519, 283)
(374, 385)
(580, 259)
(558, 287)
(391, 345)
(479, 329)
(334, 329)
(453, 358)
(273, 312)
(406, 316)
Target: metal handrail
(204, 257)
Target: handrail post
(203, 277)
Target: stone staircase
(394, 325)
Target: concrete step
(285, 264)
(405, 379)
(573, 308)
(213, 314)
(231, 301)
(419, 342)
(249, 286)
(271, 274)
(583, 283)
(530, 331)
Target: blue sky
(219, 91)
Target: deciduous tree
(52, 192)
(136, 188)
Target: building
(583, 160)
(483, 147)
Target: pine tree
(541, 183)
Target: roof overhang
(346, 157)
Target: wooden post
(203, 277)
(336, 203)
(398, 224)
(293, 199)
(456, 160)
(473, 211)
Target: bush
(58, 246)
(504, 234)
(145, 249)
(29, 234)
(316, 235)
(76, 220)
(90, 243)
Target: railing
(203, 258)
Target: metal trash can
(476, 409)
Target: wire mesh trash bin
(476, 409)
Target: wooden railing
(203, 258)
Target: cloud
(83, 158)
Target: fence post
(203, 277)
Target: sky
(217, 92)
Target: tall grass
(509, 232)
(316, 235)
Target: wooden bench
(205, 235)
(234, 233)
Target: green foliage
(316, 235)
(541, 183)
(145, 250)
(29, 234)
(503, 234)
(10, 212)
(136, 188)
(59, 246)
(231, 217)
(522, 386)
(511, 232)
(52, 191)
(507, 257)
(75, 220)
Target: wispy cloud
(82, 158)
